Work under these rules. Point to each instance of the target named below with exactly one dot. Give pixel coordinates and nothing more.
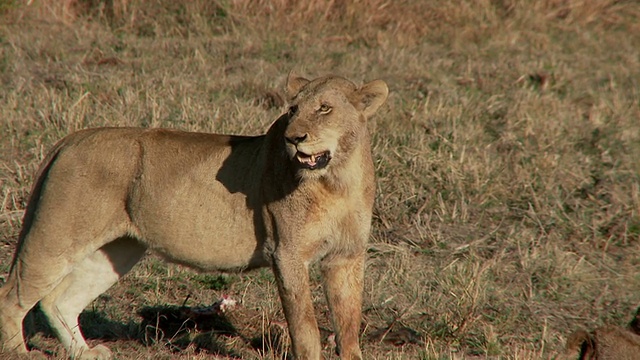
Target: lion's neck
(355, 172)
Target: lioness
(604, 343)
(301, 193)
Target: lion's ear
(294, 84)
(371, 95)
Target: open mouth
(315, 161)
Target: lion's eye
(324, 109)
(293, 110)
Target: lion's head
(327, 119)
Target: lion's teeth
(313, 158)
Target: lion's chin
(313, 161)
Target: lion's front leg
(293, 285)
(343, 285)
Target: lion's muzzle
(304, 155)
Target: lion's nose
(295, 140)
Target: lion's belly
(208, 228)
(216, 243)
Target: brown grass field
(507, 156)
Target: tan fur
(213, 202)
(605, 343)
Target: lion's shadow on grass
(175, 327)
(179, 327)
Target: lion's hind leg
(90, 278)
(11, 317)
(32, 276)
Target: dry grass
(508, 156)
